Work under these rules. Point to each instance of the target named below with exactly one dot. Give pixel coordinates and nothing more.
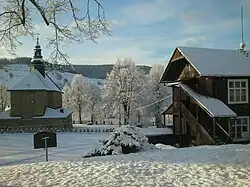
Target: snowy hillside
(13, 73)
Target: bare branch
(17, 19)
(23, 12)
(40, 11)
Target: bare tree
(123, 88)
(17, 19)
(66, 97)
(157, 92)
(4, 97)
(78, 94)
(93, 94)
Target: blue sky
(148, 30)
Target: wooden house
(211, 93)
(36, 101)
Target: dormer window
(237, 91)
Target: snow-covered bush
(123, 140)
(163, 146)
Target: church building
(36, 101)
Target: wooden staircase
(222, 136)
(202, 136)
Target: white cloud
(143, 50)
(147, 12)
(110, 56)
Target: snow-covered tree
(78, 94)
(157, 92)
(124, 139)
(66, 97)
(123, 87)
(93, 94)
(4, 97)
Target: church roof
(35, 81)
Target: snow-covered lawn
(18, 148)
(227, 165)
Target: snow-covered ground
(18, 148)
(227, 165)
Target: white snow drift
(227, 165)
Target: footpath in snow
(227, 165)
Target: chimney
(37, 60)
(61, 110)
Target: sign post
(45, 140)
(46, 148)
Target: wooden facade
(29, 106)
(33, 103)
(191, 122)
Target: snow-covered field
(19, 148)
(227, 165)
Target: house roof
(55, 113)
(214, 107)
(6, 115)
(35, 81)
(217, 62)
(49, 113)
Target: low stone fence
(34, 130)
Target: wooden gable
(178, 68)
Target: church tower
(37, 61)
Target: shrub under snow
(123, 140)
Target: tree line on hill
(91, 71)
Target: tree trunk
(125, 108)
(92, 114)
(158, 121)
(80, 113)
(139, 117)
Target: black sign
(39, 140)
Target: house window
(237, 91)
(240, 128)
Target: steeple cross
(37, 38)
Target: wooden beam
(197, 126)
(214, 128)
(180, 118)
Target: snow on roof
(55, 113)
(213, 106)
(6, 115)
(35, 81)
(49, 113)
(217, 62)
(153, 131)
